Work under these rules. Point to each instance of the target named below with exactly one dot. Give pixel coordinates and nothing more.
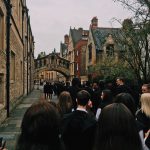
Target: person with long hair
(116, 129)
(106, 99)
(143, 116)
(40, 128)
(64, 104)
(129, 102)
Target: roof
(77, 34)
(100, 34)
(63, 47)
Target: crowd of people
(89, 117)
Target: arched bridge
(53, 62)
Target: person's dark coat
(126, 89)
(78, 131)
(50, 89)
(123, 89)
(95, 98)
(73, 90)
(142, 118)
(46, 88)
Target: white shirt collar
(82, 109)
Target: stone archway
(52, 62)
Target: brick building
(73, 49)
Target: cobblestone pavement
(10, 128)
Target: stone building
(49, 67)
(21, 55)
(101, 45)
(44, 75)
(87, 48)
(63, 54)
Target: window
(21, 70)
(51, 75)
(77, 67)
(1, 88)
(90, 51)
(25, 48)
(110, 50)
(12, 66)
(40, 63)
(19, 13)
(44, 62)
(77, 53)
(1, 30)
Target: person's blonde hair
(145, 103)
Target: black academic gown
(78, 131)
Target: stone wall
(21, 43)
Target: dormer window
(110, 50)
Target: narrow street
(10, 128)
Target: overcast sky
(52, 19)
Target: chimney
(94, 23)
(80, 29)
(66, 39)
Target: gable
(100, 35)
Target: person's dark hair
(127, 100)
(76, 81)
(95, 81)
(87, 83)
(53, 104)
(67, 83)
(107, 95)
(102, 84)
(121, 78)
(147, 85)
(83, 97)
(40, 128)
(117, 129)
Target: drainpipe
(8, 7)
(30, 69)
(29, 53)
(27, 56)
(23, 67)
